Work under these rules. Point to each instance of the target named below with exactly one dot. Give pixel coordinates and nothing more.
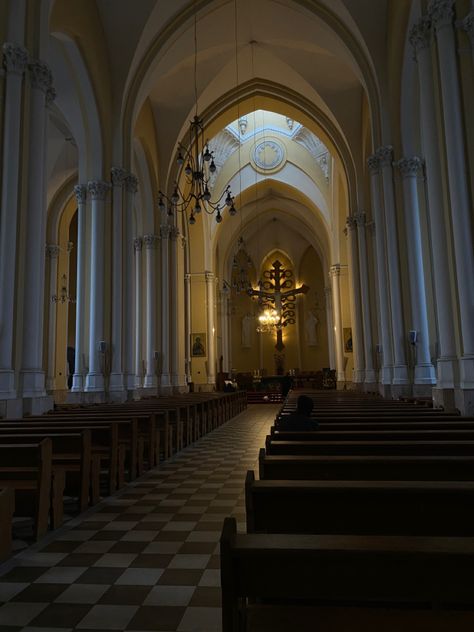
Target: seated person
(301, 418)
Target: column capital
(137, 244)
(335, 270)
(52, 251)
(409, 167)
(40, 75)
(187, 277)
(441, 13)
(15, 58)
(350, 223)
(150, 241)
(327, 290)
(80, 191)
(420, 34)
(209, 276)
(98, 189)
(131, 183)
(385, 155)
(174, 233)
(118, 176)
(165, 231)
(70, 246)
(374, 164)
(183, 241)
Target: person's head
(304, 405)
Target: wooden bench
(434, 508)
(7, 506)
(384, 468)
(426, 434)
(27, 469)
(356, 583)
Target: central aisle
(148, 558)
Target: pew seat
(7, 505)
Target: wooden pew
(430, 508)
(426, 434)
(357, 467)
(7, 506)
(356, 583)
(27, 469)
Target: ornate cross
(272, 292)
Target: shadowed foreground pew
(7, 505)
(338, 583)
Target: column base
(37, 405)
(446, 371)
(117, 397)
(138, 382)
(371, 387)
(385, 375)
(422, 390)
(466, 370)
(370, 377)
(50, 384)
(94, 397)
(7, 384)
(32, 383)
(129, 380)
(150, 381)
(94, 383)
(341, 376)
(165, 380)
(116, 383)
(180, 389)
(77, 383)
(11, 408)
(166, 389)
(425, 374)
(385, 390)
(401, 390)
(444, 398)
(358, 376)
(464, 401)
(400, 375)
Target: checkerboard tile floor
(147, 558)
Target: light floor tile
(200, 619)
(139, 577)
(61, 575)
(82, 593)
(19, 613)
(169, 596)
(116, 560)
(211, 578)
(189, 561)
(107, 618)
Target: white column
(385, 376)
(32, 373)
(98, 192)
(150, 242)
(174, 317)
(441, 13)
(330, 327)
(420, 37)
(138, 244)
(187, 343)
(409, 170)
(165, 308)
(224, 300)
(211, 330)
(131, 186)
(15, 59)
(335, 274)
(52, 252)
(80, 191)
(400, 369)
(356, 318)
(116, 383)
(370, 377)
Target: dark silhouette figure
(301, 418)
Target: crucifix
(276, 291)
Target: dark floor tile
(108, 535)
(208, 526)
(172, 536)
(61, 546)
(99, 575)
(93, 526)
(151, 561)
(130, 595)
(23, 574)
(182, 517)
(178, 577)
(208, 597)
(197, 547)
(130, 517)
(157, 618)
(60, 615)
(79, 559)
(214, 562)
(9, 628)
(40, 593)
(128, 547)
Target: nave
(147, 557)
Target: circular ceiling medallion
(268, 155)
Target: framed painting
(198, 345)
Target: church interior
(210, 208)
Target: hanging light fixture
(199, 165)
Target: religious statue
(310, 325)
(247, 325)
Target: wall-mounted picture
(198, 345)
(347, 335)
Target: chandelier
(199, 165)
(268, 321)
(241, 265)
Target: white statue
(310, 328)
(247, 324)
